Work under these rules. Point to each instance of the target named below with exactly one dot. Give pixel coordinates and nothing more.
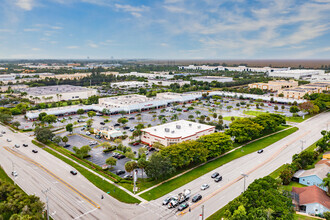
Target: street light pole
(202, 212)
(244, 176)
(302, 145)
(45, 192)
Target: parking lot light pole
(302, 145)
(244, 176)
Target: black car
(126, 128)
(67, 145)
(102, 123)
(34, 151)
(183, 206)
(131, 118)
(151, 149)
(73, 172)
(260, 151)
(115, 155)
(214, 175)
(218, 179)
(116, 125)
(25, 145)
(197, 198)
(120, 172)
(121, 157)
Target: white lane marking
(86, 213)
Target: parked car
(131, 118)
(117, 124)
(73, 172)
(83, 128)
(34, 151)
(14, 173)
(102, 123)
(17, 145)
(205, 186)
(196, 198)
(1, 135)
(115, 155)
(260, 151)
(132, 129)
(9, 140)
(25, 145)
(128, 176)
(136, 143)
(167, 200)
(121, 156)
(3, 132)
(120, 172)
(67, 145)
(151, 149)
(81, 120)
(88, 133)
(218, 179)
(214, 175)
(183, 206)
(126, 128)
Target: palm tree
(326, 183)
(197, 113)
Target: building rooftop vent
(178, 126)
(198, 126)
(172, 131)
(155, 129)
(167, 130)
(190, 125)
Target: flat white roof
(177, 129)
(52, 90)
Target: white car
(9, 140)
(14, 173)
(205, 186)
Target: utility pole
(202, 212)
(244, 176)
(302, 145)
(45, 193)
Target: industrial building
(148, 75)
(163, 82)
(175, 132)
(12, 87)
(213, 78)
(296, 74)
(58, 93)
(130, 84)
(234, 68)
(274, 85)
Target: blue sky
(165, 29)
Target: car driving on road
(214, 175)
(218, 179)
(73, 172)
(196, 198)
(34, 151)
(205, 186)
(260, 151)
(183, 206)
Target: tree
(269, 121)
(111, 161)
(294, 109)
(215, 115)
(43, 134)
(324, 143)
(80, 111)
(65, 139)
(229, 107)
(89, 123)
(41, 115)
(130, 166)
(91, 114)
(142, 150)
(244, 129)
(282, 107)
(49, 119)
(83, 151)
(306, 106)
(216, 143)
(326, 215)
(191, 117)
(159, 167)
(57, 139)
(197, 113)
(275, 107)
(16, 124)
(232, 118)
(69, 127)
(286, 175)
(122, 120)
(142, 164)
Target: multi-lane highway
(254, 165)
(70, 197)
(74, 197)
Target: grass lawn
(228, 118)
(173, 184)
(253, 113)
(303, 217)
(298, 119)
(5, 177)
(104, 185)
(292, 184)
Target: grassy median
(104, 185)
(173, 184)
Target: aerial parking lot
(209, 110)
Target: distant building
(7, 77)
(313, 176)
(299, 92)
(12, 87)
(58, 93)
(175, 132)
(130, 84)
(163, 82)
(296, 74)
(213, 78)
(274, 85)
(148, 75)
(310, 200)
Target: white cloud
(93, 45)
(30, 29)
(72, 47)
(133, 10)
(25, 4)
(35, 49)
(56, 27)
(176, 9)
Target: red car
(136, 143)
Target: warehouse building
(175, 132)
(130, 84)
(58, 93)
(296, 74)
(213, 78)
(163, 82)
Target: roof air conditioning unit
(178, 126)
(190, 125)
(167, 130)
(155, 129)
(172, 132)
(198, 126)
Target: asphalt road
(255, 165)
(70, 197)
